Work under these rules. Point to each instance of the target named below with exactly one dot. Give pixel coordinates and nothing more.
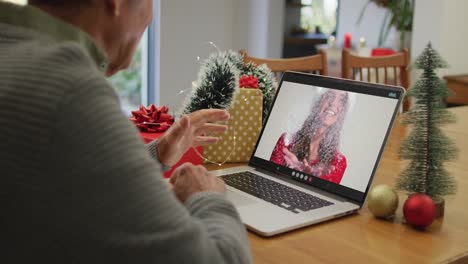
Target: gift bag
(238, 142)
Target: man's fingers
(201, 117)
(211, 128)
(179, 128)
(180, 170)
(173, 178)
(204, 141)
(221, 183)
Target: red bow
(152, 119)
(248, 82)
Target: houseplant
(399, 14)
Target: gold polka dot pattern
(245, 125)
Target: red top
(338, 164)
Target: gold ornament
(382, 201)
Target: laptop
(316, 155)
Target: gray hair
(329, 144)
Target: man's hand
(188, 132)
(189, 179)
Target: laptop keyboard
(274, 192)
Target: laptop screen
(327, 132)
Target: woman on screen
(313, 149)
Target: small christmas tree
(427, 147)
(218, 81)
(266, 83)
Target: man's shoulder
(39, 55)
(68, 60)
(36, 65)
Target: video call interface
(324, 133)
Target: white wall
(186, 27)
(259, 27)
(369, 27)
(276, 18)
(442, 23)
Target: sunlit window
(132, 84)
(19, 2)
(128, 84)
(319, 15)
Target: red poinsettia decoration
(248, 81)
(152, 119)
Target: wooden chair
(310, 64)
(378, 69)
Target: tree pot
(440, 207)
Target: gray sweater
(77, 183)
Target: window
(19, 2)
(129, 83)
(319, 15)
(135, 86)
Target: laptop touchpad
(239, 199)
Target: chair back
(311, 64)
(392, 69)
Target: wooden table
(361, 238)
(458, 84)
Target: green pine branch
(266, 83)
(426, 147)
(217, 82)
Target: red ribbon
(152, 119)
(248, 82)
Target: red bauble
(419, 210)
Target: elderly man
(77, 184)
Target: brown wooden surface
(303, 64)
(458, 85)
(394, 65)
(361, 238)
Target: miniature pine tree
(218, 82)
(266, 83)
(426, 147)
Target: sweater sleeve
(114, 206)
(153, 151)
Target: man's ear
(114, 7)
